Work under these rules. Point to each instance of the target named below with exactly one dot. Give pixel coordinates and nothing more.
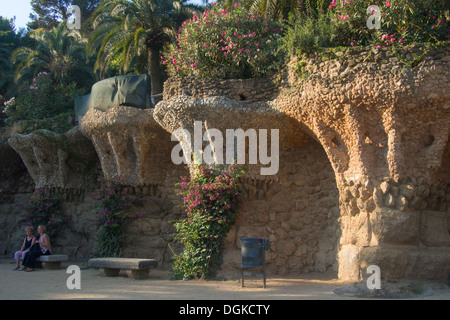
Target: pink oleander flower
(388, 4)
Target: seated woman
(41, 247)
(28, 242)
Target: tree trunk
(154, 71)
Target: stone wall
(16, 187)
(298, 213)
(383, 120)
(386, 136)
(363, 178)
(252, 90)
(149, 230)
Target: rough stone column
(385, 129)
(130, 144)
(56, 160)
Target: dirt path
(51, 284)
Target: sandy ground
(52, 284)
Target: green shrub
(44, 98)
(345, 24)
(3, 115)
(225, 44)
(307, 33)
(405, 20)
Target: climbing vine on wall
(45, 210)
(210, 199)
(113, 203)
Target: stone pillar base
(396, 262)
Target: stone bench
(136, 268)
(52, 261)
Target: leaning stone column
(56, 160)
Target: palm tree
(280, 9)
(61, 51)
(9, 40)
(133, 32)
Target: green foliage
(9, 41)
(44, 98)
(112, 205)
(130, 34)
(48, 13)
(210, 199)
(60, 51)
(281, 9)
(44, 210)
(3, 115)
(226, 44)
(410, 21)
(308, 33)
(345, 24)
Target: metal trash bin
(253, 256)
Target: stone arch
(298, 214)
(297, 208)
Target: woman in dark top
(28, 241)
(41, 247)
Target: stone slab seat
(52, 261)
(136, 268)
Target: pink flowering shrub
(402, 21)
(225, 44)
(210, 199)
